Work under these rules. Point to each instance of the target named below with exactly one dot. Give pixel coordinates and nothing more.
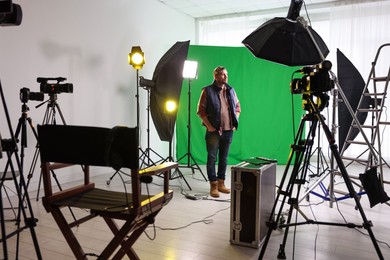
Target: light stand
(148, 150)
(190, 72)
(170, 108)
(136, 58)
(143, 154)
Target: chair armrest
(157, 169)
(164, 168)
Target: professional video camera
(314, 83)
(315, 79)
(26, 95)
(55, 88)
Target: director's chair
(62, 146)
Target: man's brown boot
(214, 189)
(221, 186)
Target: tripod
(194, 166)
(22, 130)
(10, 147)
(49, 118)
(300, 152)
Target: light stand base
(177, 173)
(193, 167)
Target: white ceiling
(208, 8)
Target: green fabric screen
(263, 88)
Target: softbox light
(352, 84)
(167, 81)
(288, 41)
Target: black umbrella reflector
(373, 187)
(287, 42)
(168, 79)
(352, 84)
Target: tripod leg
(3, 233)
(197, 167)
(180, 176)
(21, 189)
(366, 224)
(296, 180)
(296, 153)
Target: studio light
(10, 14)
(288, 41)
(190, 70)
(136, 57)
(166, 85)
(170, 106)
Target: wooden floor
(200, 229)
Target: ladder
(375, 88)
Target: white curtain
(228, 31)
(358, 30)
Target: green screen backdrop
(263, 88)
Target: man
(219, 109)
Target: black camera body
(313, 85)
(316, 79)
(54, 88)
(26, 95)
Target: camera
(26, 95)
(54, 88)
(316, 79)
(313, 85)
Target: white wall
(86, 42)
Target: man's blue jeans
(217, 145)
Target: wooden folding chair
(63, 146)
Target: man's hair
(218, 69)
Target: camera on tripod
(315, 79)
(55, 88)
(314, 83)
(26, 95)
